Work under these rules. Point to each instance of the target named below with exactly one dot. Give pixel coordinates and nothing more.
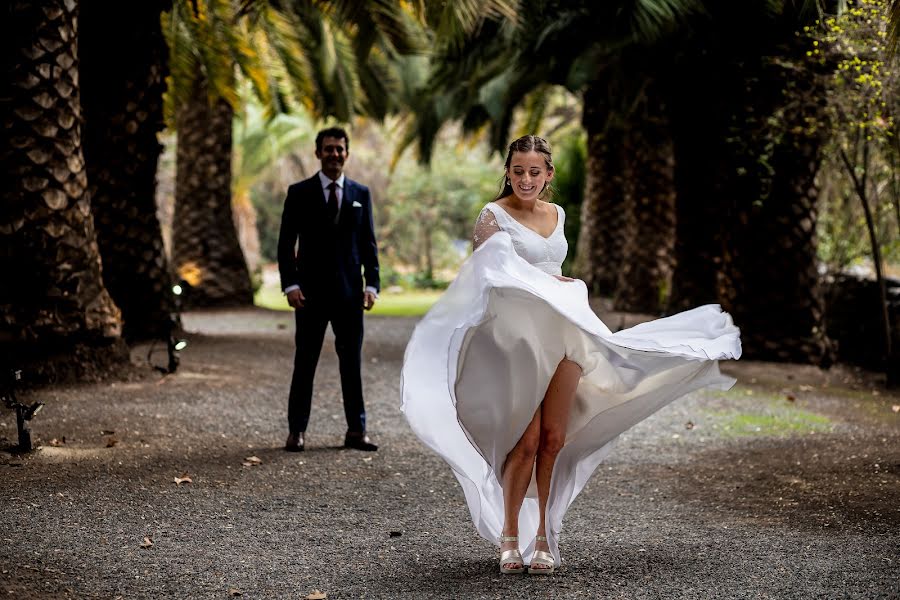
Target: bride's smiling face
(528, 174)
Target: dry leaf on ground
(317, 595)
(111, 442)
(235, 592)
(183, 479)
(896, 408)
(251, 461)
(146, 543)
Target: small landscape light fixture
(24, 412)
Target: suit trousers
(346, 320)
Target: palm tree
(763, 184)
(649, 192)
(206, 43)
(57, 315)
(123, 72)
(602, 238)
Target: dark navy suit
(328, 265)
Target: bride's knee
(528, 444)
(552, 441)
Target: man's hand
(368, 300)
(296, 298)
(563, 278)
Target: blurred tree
(426, 220)
(746, 186)
(58, 317)
(122, 79)
(568, 184)
(861, 119)
(259, 144)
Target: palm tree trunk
(600, 241)
(57, 318)
(646, 266)
(205, 247)
(697, 131)
(123, 72)
(770, 282)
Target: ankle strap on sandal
(508, 538)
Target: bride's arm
(485, 226)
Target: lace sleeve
(485, 226)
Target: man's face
(333, 154)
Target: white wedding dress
(478, 365)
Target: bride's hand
(563, 278)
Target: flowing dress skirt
(478, 365)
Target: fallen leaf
(110, 442)
(896, 408)
(790, 397)
(235, 592)
(806, 388)
(183, 479)
(55, 442)
(253, 460)
(146, 543)
(317, 595)
(689, 425)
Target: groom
(331, 217)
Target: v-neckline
(524, 226)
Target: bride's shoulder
(490, 209)
(553, 207)
(488, 214)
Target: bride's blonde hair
(527, 143)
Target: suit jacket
(329, 256)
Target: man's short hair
(335, 132)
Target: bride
(515, 382)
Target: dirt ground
(176, 486)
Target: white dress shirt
(339, 190)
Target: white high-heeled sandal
(512, 556)
(540, 557)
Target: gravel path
(788, 486)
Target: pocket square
(356, 204)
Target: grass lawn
(405, 304)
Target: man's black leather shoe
(359, 441)
(295, 442)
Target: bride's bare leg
(516, 477)
(555, 411)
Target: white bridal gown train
(478, 365)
